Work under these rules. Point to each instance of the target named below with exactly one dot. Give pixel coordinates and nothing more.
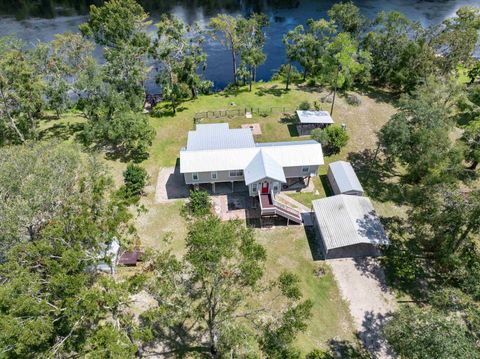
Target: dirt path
(362, 284)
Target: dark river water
(284, 15)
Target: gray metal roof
(219, 136)
(347, 220)
(263, 166)
(345, 177)
(314, 117)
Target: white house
(216, 153)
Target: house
(216, 154)
(343, 179)
(348, 226)
(310, 120)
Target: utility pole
(335, 89)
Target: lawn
(288, 248)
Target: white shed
(343, 179)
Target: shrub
(304, 106)
(199, 203)
(332, 138)
(318, 354)
(135, 179)
(353, 100)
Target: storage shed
(343, 179)
(309, 120)
(348, 227)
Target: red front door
(265, 187)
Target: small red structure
(130, 258)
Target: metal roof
(219, 136)
(305, 154)
(314, 117)
(345, 177)
(263, 166)
(347, 220)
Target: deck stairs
(270, 207)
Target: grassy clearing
(288, 248)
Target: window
(214, 175)
(275, 186)
(305, 170)
(195, 176)
(254, 188)
(236, 173)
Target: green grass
(288, 250)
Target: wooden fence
(242, 112)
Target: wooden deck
(269, 207)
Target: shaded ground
(170, 185)
(362, 284)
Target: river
(284, 15)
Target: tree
(471, 138)
(135, 179)
(346, 15)
(127, 134)
(418, 136)
(199, 203)
(67, 56)
(296, 49)
(446, 220)
(251, 33)
(203, 298)
(400, 50)
(120, 26)
(225, 28)
(35, 184)
(332, 138)
(342, 64)
(423, 333)
(53, 302)
(21, 92)
(179, 56)
(111, 95)
(287, 73)
(455, 39)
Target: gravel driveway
(362, 285)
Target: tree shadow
(123, 154)
(344, 349)
(272, 90)
(233, 90)
(371, 268)
(311, 89)
(371, 334)
(60, 131)
(377, 177)
(379, 94)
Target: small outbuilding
(310, 120)
(343, 179)
(348, 227)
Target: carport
(348, 227)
